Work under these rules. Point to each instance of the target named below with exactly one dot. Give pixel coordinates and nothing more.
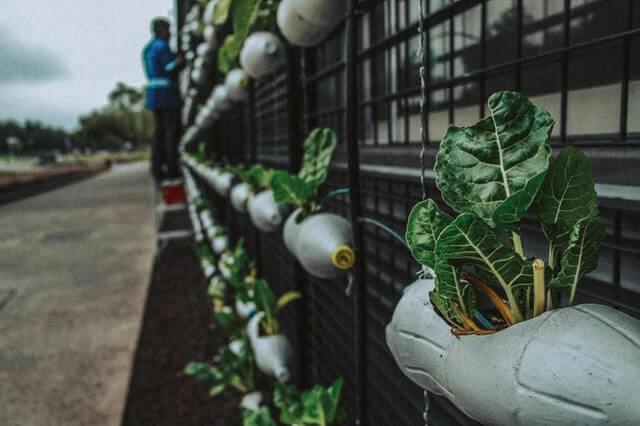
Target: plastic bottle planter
(225, 258)
(262, 54)
(211, 176)
(273, 353)
(237, 84)
(197, 76)
(222, 183)
(221, 98)
(251, 401)
(209, 36)
(321, 243)
(220, 244)
(203, 49)
(265, 213)
(240, 196)
(296, 29)
(320, 12)
(577, 365)
(245, 310)
(208, 269)
(207, 219)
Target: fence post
(351, 137)
(253, 159)
(294, 115)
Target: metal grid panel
(272, 121)
(546, 53)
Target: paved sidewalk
(74, 270)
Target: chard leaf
(287, 298)
(290, 189)
(581, 256)
(500, 160)
(228, 53)
(202, 371)
(221, 11)
(318, 150)
(217, 389)
(450, 292)
(469, 241)
(424, 225)
(244, 14)
(262, 417)
(286, 398)
(266, 302)
(567, 195)
(259, 177)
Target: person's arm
(170, 62)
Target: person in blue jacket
(161, 66)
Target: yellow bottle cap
(343, 257)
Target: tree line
(123, 120)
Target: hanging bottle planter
(251, 401)
(321, 243)
(297, 30)
(265, 213)
(495, 332)
(222, 183)
(220, 244)
(221, 98)
(262, 54)
(273, 353)
(245, 309)
(237, 84)
(575, 365)
(306, 23)
(240, 194)
(209, 35)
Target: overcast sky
(60, 59)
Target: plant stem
(552, 256)
(517, 244)
(538, 287)
(504, 310)
(515, 310)
(468, 322)
(549, 300)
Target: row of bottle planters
(576, 365)
(322, 242)
(273, 354)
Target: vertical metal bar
(253, 159)
(427, 76)
(626, 68)
(617, 238)
(452, 48)
(294, 108)
(351, 137)
(565, 72)
(483, 56)
(519, 41)
(295, 104)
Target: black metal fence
(578, 58)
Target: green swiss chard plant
(258, 177)
(492, 174)
(261, 417)
(266, 301)
(317, 406)
(231, 371)
(246, 16)
(301, 190)
(240, 270)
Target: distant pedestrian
(163, 98)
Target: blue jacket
(160, 66)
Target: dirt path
(74, 271)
